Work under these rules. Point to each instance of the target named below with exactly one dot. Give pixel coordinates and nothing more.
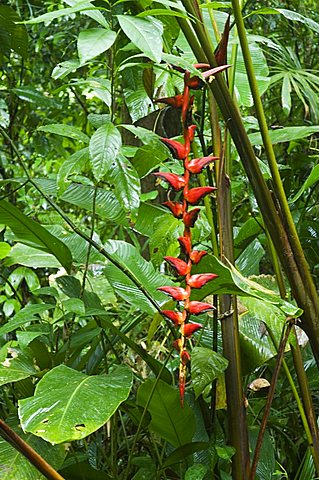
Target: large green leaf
(145, 33)
(230, 281)
(104, 148)
(12, 35)
(207, 365)
(173, 423)
(25, 315)
(48, 17)
(33, 234)
(15, 466)
(65, 131)
(73, 165)
(15, 364)
(93, 42)
(311, 180)
(92, 12)
(33, 95)
(69, 405)
(286, 134)
(132, 261)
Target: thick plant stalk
(13, 438)
(302, 285)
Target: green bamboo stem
(21, 446)
(301, 287)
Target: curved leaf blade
(104, 148)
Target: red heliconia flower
(177, 344)
(195, 308)
(175, 102)
(178, 149)
(221, 50)
(200, 279)
(177, 318)
(213, 71)
(189, 218)
(177, 293)
(186, 244)
(185, 357)
(181, 267)
(181, 383)
(187, 329)
(176, 181)
(197, 164)
(197, 255)
(176, 208)
(191, 132)
(195, 83)
(194, 195)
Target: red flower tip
(185, 357)
(175, 102)
(200, 279)
(177, 344)
(191, 132)
(181, 267)
(177, 293)
(213, 71)
(186, 244)
(201, 65)
(176, 181)
(187, 329)
(194, 195)
(189, 218)
(197, 164)
(176, 208)
(197, 255)
(195, 308)
(195, 83)
(177, 318)
(177, 149)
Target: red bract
(189, 218)
(195, 308)
(181, 267)
(200, 279)
(176, 208)
(177, 293)
(197, 164)
(191, 132)
(175, 102)
(189, 328)
(177, 318)
(186, 244)
(176, 181)
(201, 65)
(177, 344)
(213, 71)
(194, 195)
(185, 357)
(197, 255)
(195, 83)
(178, 149)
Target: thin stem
(16, 442)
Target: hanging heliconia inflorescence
(181, 210)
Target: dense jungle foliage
(159, 315)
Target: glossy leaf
(4, 250)
(93, 42)
(69, 405)
(65, 131)
(145, 33)
(104, 148)
(285, 134)
(127, 183)
(73, 165)
(33, 95)
(207, 365)
(311, 180)
(25, 315)
(15, 364)
(174, 424)
(31, 233)
(49, 17)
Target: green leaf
(15, 364)
(65, 131)
(286, 95)
(93, 42)
(127, 183)
(64, 68)
(145, 33)
(92, 12)
(196, 471)
(26, 315)
(266, 464)
(311, 180)
(180, 454)
(4, 250)
(231, 281)
(72, 166)
(12, 35)
(33, 234)
(286, 134)
(207, 365)
(174, 424)
(69, 405)
(15, 466)
(32, 95)
(104, 148)
(132, 261)
(48, 17)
